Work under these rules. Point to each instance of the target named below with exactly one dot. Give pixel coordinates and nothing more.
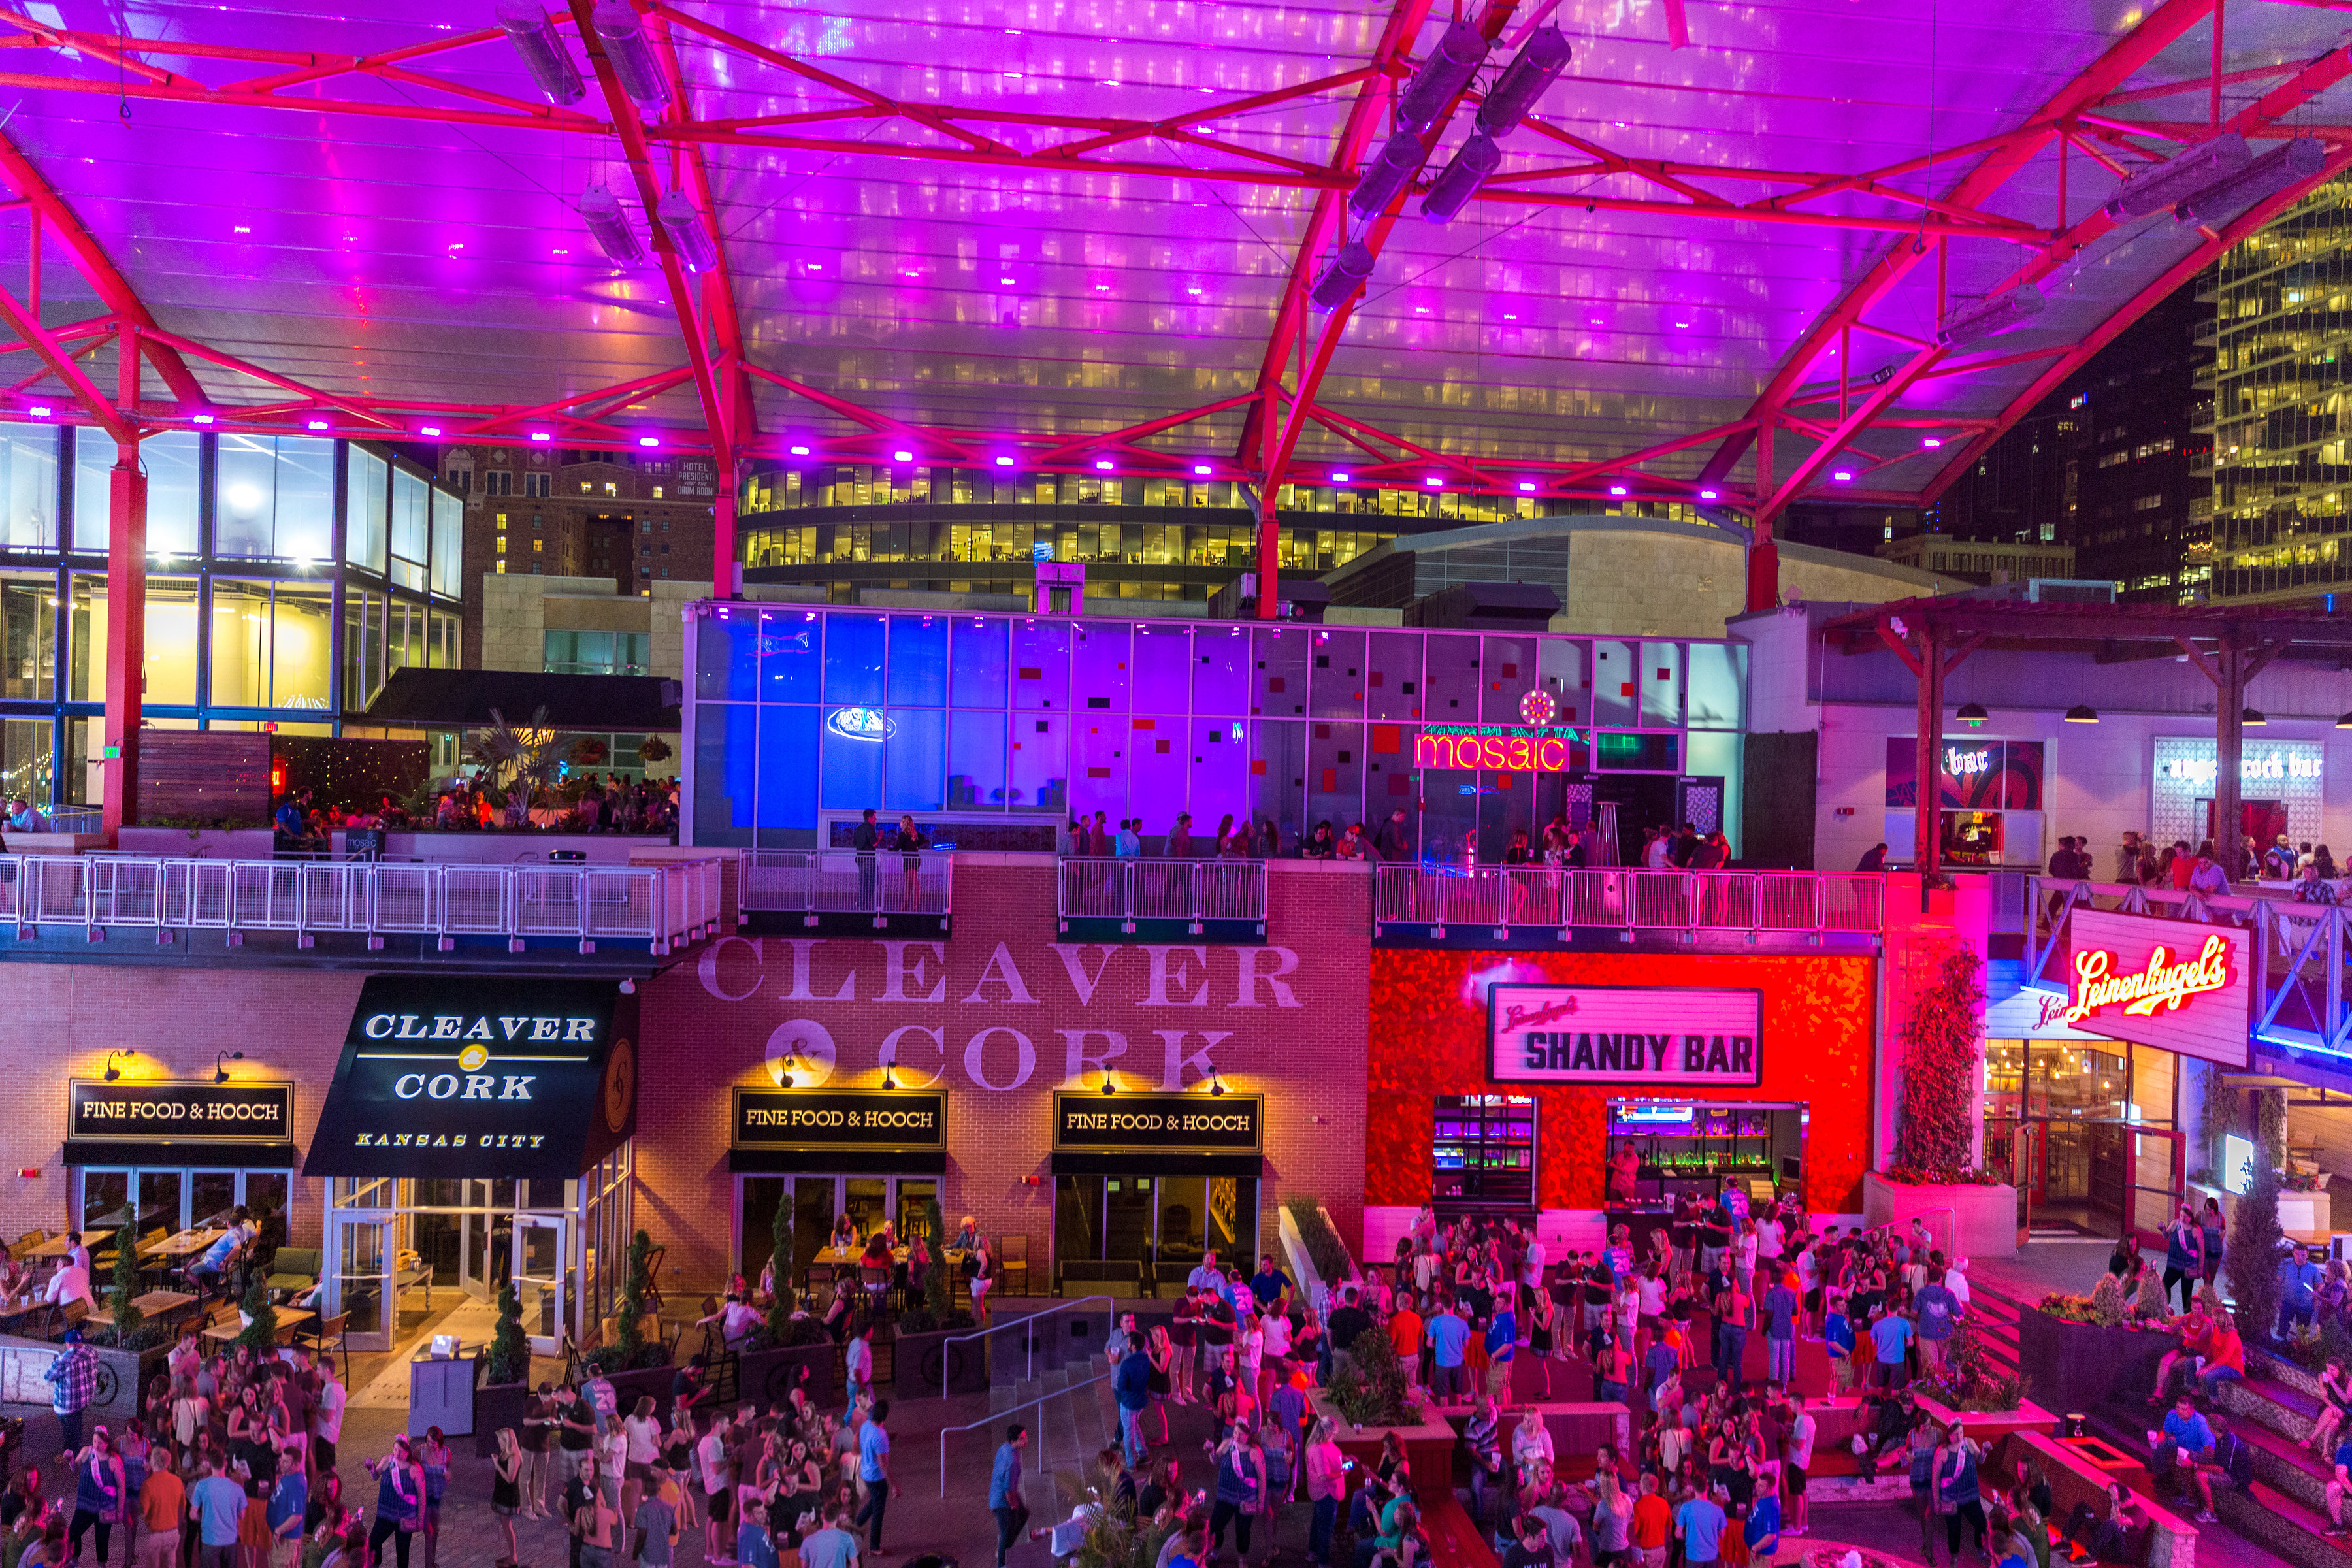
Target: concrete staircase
(1072, 1416)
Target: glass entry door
(359, 1275)
(489, 1241)
(542, 1278)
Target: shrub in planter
(509, 1350)
(1970, 1382)
(1369, 1387)
(2255, 1238)
(260, 1334)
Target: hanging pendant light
(1972, 714)
(2081, 713)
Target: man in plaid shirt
(73, 1373)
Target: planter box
(1989, 1426)
(923, 1361)
(123, 1375)
(1983, 1221)
(498, 1405)
(1428, 1445)
(2075, 1367)
(766, 1377)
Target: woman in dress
(1543, 1319)
(1163, 1357)
(2335, 1398)
(506, 1492)
(432, 1459)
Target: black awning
(466, 697)
(843, 1163)
(532, 1079)
(186, 1154)
(1159, 1164)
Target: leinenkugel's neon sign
(2162, 986)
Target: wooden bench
(1455, 1539)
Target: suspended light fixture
(1473, 162)
(2343, 721)
(543, 53)
(2274, 172)
(1535, 68)
(1390, 170)
(2183, 177)
(694, 246)
(1443, 75)
(2252, 717)
(2081, 713)
(1972, 714)
(1994, 313)
(632, 58)
(600, 209)
(1348, 273)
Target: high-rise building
(2282, 495)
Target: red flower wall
(1428, 1037)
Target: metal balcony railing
(1161, 889)
(661, 907)
(1627, 899)
(842, 881)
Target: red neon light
(1497, 753)
(2160, 987)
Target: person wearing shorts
(1183, 1333)
(1891, 1338)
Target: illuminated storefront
(1988, 799)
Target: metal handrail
(1628, 899)
(1951, 1228)
(1109, 1304)
(660, 905)
(844, 881)
(995, 1417)
(1128, 888)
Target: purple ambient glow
(542, 436)
(1930, 442)
(1004, 462)
(1338, 479)
(430, 430)
(1526, 484)
(1201, 470)
(1842, 476)
(1104, 464)
(902, 456)
(39, 411)
(1707, 495)
(1433, 482)
(317, 425)
(200, 419)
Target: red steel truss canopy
(1710, 268)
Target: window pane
(1717, 679)
(975, 761)
(26, 760)
(1041, 665)
(159, 1200)
(366, 495)
(726, 654)
(724, 760)
(448, 544)
(301, 647)
(1040, 767)
(853, 661)
(306, 498)
(919, 661)
(361, 652)
(978, 677)
(409, 526)
(103, 1195)
(275, 492)
(240, 644)
(170, 461)
(1163, 672)
(28, 634)
(213, 1195)
(170, 640)
(914, 757)
(28, 488)
(787, 786)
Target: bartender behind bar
(1681, 1168)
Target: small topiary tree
(1941, 1046)
(628, 1334)
(2253, 1257)
(780, 1255)
(937, 1288)
(260, 1334)
(509, 1350)
(127, 1318)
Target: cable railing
(1129, 890)
(661, 907)
(843, 882)
(1029, 1339)
(1554, 897)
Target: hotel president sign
(480, 1078)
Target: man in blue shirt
(1449, 1338)
(1938, 1310)
(1891, 1336)
(218, 1504)
(1778, 1308)
(1004, 1490)
(1269, 1284)
(2185, 1440)
(874, 1469)
(1133, 1387)
(1698, 1525)
(2298, 1287)
(1502, 1339)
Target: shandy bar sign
(1678, 1037)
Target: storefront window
(274, 498)
(172, 460)
(302, 653)
(411, 528)
(240, 644)
(26, 759)
(170, 652)
(363, 646)
(28, 634)
(1483, 1149)
(1146, 1234)
(366, 496)
(448, 544)
(28, 488)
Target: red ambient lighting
(2161, 986)
(1500, 754)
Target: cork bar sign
(836, 1120)
(1159, 1123)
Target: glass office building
(286, 577)
(800, 717)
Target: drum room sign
(1683, 1039)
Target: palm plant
(519, 760)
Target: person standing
(1734, 1314)
(1937, 1312)
(1449, 1338)
(327, 1418)
(399, 1500)
(1698, 1525)
(99, 1493)
(1005, 1498)
(874, 1469)
(1779, 1312)
(863, 840)
(219, 1505)
(1132, 1387)
(72, 1378)
(1327, 1487)
(1502, 1342)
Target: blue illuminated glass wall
(799, 714)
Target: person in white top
(1658, 851)
(1769, 1236)
(71, 1283)
(1955, 1280)
(640, 1435)
(1743, 1257)
(710, 1466)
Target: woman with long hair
(100, 1495)
(506, 1492)
(980, 1265)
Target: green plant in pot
(260, 1334)
(509, 1350)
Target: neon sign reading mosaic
(1499, 751)
(2163, 986)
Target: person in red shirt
(1651, 1525)
(1404, 1332)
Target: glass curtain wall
(1284, 725)
(288, 577)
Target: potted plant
(2080, 1349)
(505, 1398)
(260, 1334)
(923, 1359)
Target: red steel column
(126, 635)
(722, 540)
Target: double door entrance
(2091, 1178)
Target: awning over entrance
(234, 1125)
(529, 1078)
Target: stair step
(2263, 1407)
(2272, 1520)
(2279, 1463)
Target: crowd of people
(1558, 844)
(462, 805)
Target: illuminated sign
(1498, 750)
(2179, 985)
(860, 724)
(2255, 765)
(1960, 761)
(1670, 1037)
(2161, 986)
(1538, 708)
